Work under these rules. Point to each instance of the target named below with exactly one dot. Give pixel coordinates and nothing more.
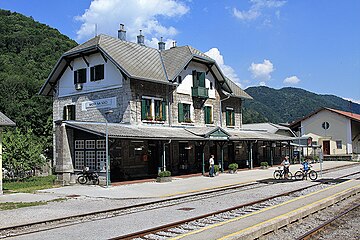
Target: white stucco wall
(112, 76)
(340, 129)
(187, 79)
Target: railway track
(68, 221)
(308, 235)
(175, 229)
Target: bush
(264, 164)
(216, 168)
(164, 174)
(233, 166)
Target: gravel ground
(348, 227)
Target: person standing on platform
(286, 164)
(212, 166)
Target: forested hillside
(28, 52)
(288, 104)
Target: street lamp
(107, 147)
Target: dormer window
(230, 117)
(97, 73)
(198, 79)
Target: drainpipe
(228, 96)
(164, 158)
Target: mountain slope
(289, 104)
(28, 52)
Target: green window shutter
(143, 109)
(227, 117)
(92, 74)
(195, 79)
(201, 77)
(181, 112)
(72, 112)
(205, 114)
(233, 118)
(163, 110)
(75, 77)
(65, 113)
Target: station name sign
(99, 103)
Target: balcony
(200, 92)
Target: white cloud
(262, 83)
(135, 14)
(257, 8)
(262, 71)
(291, 80)
(228, 71)
(352, 100)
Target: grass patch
(30, 184)
(15, 205)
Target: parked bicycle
(87, 176)
(280, 174)
(302, 174)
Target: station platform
(256, 224)
(151, 189)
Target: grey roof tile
(5, 121)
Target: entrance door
(198, 158)
(326, 147)
(154, 157)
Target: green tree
(22, 152)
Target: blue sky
(314, 45)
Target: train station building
(161, 109)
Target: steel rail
(321, 227)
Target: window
(179, 79)
(79, 160)
(153, 109)
(339, 144)
(198, 79)
(100, 144)
(230, 117)
(90, 159)
(101, 160)
(184, 113)
(146, 113)
(208, 115)
(79, 144)
(69, 112)
(211, 85)
(80, 76)
(97, 72)
(160, 110)
(90, 144)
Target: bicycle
(280, 174)
(301, 174)
(87, 176)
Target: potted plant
(264, 165)
(164, 176)
(233, 167)
(216, 170)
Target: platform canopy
(127, 131)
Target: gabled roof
(350, 115)
(236, 90)
(138, 62)
(5, 121)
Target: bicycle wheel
(277, 175)
(313, 175)
(299, 175)
(82, 179)
(289, 176)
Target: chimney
(161, 44)
(140, 39)
(122, 33)
(174, 44)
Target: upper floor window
(80, 76)
(208, 115)
(153, 109)
(198, 79)
(69, 112)
(184, 113)
(230, 117)
(97, 72)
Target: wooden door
(326, 147)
